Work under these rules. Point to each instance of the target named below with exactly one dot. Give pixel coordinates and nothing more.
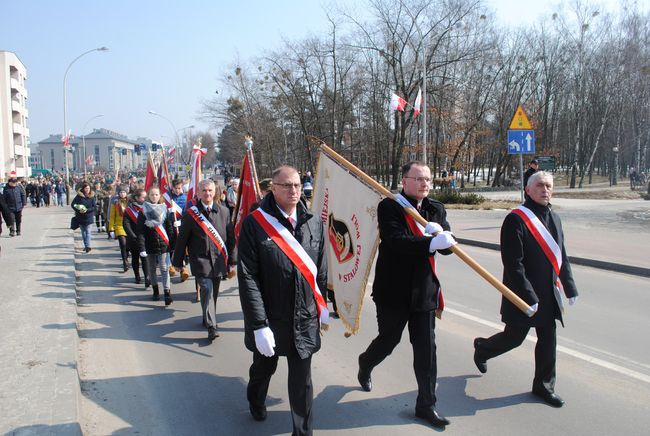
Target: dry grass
(601, 194)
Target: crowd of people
(281, 266)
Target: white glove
(143, 254)
(112, 235)
(535, 307)
(324, 317)
(442, 241)
(177, 223)
(264, 341)
(573, 300)
(433, 228)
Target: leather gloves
(442, 241)
(433, 228)
(264, 341)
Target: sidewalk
(39, 385)
(608, 234)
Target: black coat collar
(270, 206)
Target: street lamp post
(65, 116)
(84, 138)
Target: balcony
(19, 129)
(16, 106)
(21, 151)
(18, 87)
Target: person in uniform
(406, 289)
(207, 233)
(536, 268)
(282, 271)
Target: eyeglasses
(419, 179)
(288, 186)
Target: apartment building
(14, 134)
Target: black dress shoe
(550, 398)
(258, 413)
(432, 417)
(478, 360)
(364, 379)
(212, 334)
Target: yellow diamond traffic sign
(520, 120)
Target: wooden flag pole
(511, 296)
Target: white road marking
(577, 354)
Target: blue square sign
(521, 141)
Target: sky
(166, 56)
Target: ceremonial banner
(195, 176)
(151, 174)
(348, 208)
(248, 192)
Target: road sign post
(521, 140)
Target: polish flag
(151, 174)
(172, 150)
(397, 103)
(66, 139)
(248, 192)
(418, 104)
(195, 177)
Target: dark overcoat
(272, 291)
(403, 275)
(528, 272)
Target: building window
(110, 159)
(97, 161)
(52, 158)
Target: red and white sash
(296, 254)
(172, 205)
(119, 208)
(133, 214)
(162, 233)
(210, 231)
(418, 230)
(545, 240)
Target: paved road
(149, 370)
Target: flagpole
(503, 289)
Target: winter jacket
(403, 275)
(131, 227)
(206, 260)
(117, 216)
(272, 290)
(90, 203)
(5, 213)
(15, 197)
(149, 240)
(528, 272)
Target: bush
(455, 197)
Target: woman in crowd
(115, 221)
(130, 225)
(84, 205)
(156, 238)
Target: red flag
(249, 191)
(418, 103)
(195, 177)
(151, 174)
(66, 139)
(165, 190)
(397, 103)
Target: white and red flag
(352, 236)
(397, 103)
(66, 139)
(165, 190)
(151, 174)
(90, 160)
(417, 107)
(172, 150)
(195, 176)
(249, 191)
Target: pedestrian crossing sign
(520, 120)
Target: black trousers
(391, 322)
(17, 220)
(545, 351)
(136, 261)
(99, 219)
(301, 391)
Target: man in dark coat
(207, 261)
(531, 275)
(16, 200)
(533, 166)
(406, 289)
(281, 309)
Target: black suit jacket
(403, 276)
(206, 259)
(528, 272)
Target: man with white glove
(283, 312)
(406, 289)
(143, 254)
(532, 247)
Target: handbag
(74, 223)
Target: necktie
(292, 221)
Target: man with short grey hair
(537, 269)
(207, 233)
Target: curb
(576, 260)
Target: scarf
(154, 214)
